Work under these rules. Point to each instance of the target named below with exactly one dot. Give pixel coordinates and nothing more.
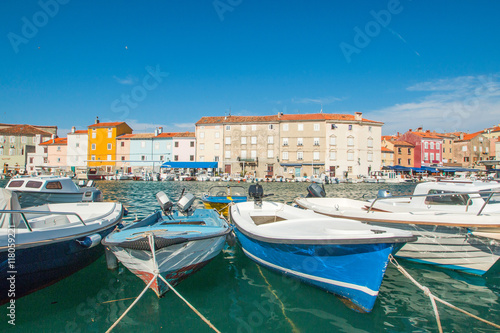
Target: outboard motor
(315, 191)
(165, 203)
(185, 202)
(257, 193)
(384, 194)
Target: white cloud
(129, 80)
(466, 103)
(185, 126)
(319, 100)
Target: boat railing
(481, 193)
(43, 212)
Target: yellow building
(102, 144)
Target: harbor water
(237, 295)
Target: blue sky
(406, 63)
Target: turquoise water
(237, 295)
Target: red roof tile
(277, 118)
(113, 124)
(177, 135)
(471, 136)
(56, 141)
(386, 150)
(162, 135)
(427, 135)
(403, 144)
(79, 132)
(23, 129)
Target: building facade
(469, 149)
(387, 157)
(102, 144)
(16, 142)
(56, 155)
(428, 147)
(77, 149)
(290, 146)
(404, 154)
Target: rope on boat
(435, 298)
(151, 239)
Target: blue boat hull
(354, 272)
(40, 266)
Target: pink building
(428, 147)
(56, 153)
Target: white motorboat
(458, 223)
(345, 257)
(51, 241)
(38, 190)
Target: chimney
(156, 132)
(419, 129)
(53, 136)
(358, 116)
(73, 130)
(428, 131)
(160, 130)
(409, 130)
(397, 135)
(97, 120)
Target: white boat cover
(8, 201)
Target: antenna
(321, 111)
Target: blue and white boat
(174, 245)
(220, 197)
(344, 257)
(43, 244)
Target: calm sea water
(237, 295)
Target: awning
(190, 165)
(291, 164)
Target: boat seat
(48, 221)
(258, 220)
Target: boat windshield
(494, 199)
(447, 199)
(227, 191)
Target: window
(300, 156)
(243, 154)
(426, 145)
(437, 145)
(271, 126)
(58, 148)
(161, 157)
(58, 159)
(369, 128)
(2, 139)
(253, 139)
(24, 139)
(316, 127)
(202, 135)
(253, 154)
(464, 148)
(92, 158)
(370, 143)
(110, 158)
(300, 142)
(399, 161)
(284, 156)
(455, 199)
(333, 126)
(110, 146)
(466, 159)
(254, 127)
(350, 127)
(202, 158)
(12, 139)
(243, 140)
(370, 156)
(176, 157)
(333, 155)
(191, 144)
(202, 146)
(350, 155)
(110, 134)
(122, 144)
(300, 127)
(438, 156)
(143, 158)
(77, 145)
(46, 150)
(316, 155)
(285, 141)
(227, 154)
(217, 135)
(93, 146)
(216, 146)
(228, 140)
(333, 140)
(176, 144)
(157, 145)
(191, 157)
(53, 186)
(270, 140)
(123, 158)
(216, 158)
(475, 148)
(31, 160)
(409, 161)
(16, 183)
(432, 145)
(33, 184)
(399, 150)
(426, 156)
(243, 127)
(270, 153)
(143, 144)
(350, 141)
(316, 141)
(285, 127)
(409, 150)
(46, 160)
(94, 135)
(228, 128)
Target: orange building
(102, 144)
(403, 154)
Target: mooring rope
(433, 298)
(158, 275)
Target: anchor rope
(434, 298)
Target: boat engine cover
(185, 202)
(315, 191)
